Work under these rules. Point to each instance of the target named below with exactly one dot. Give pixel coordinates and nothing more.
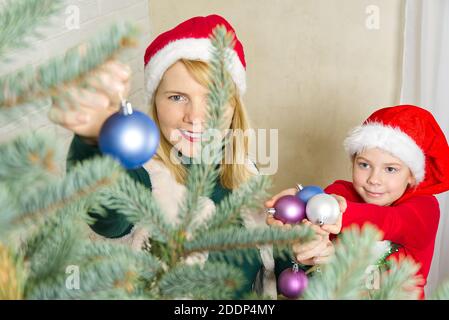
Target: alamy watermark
(223, 146)
(72, 282)
(72, 22)
(372, 21)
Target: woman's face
(181, 106)
(379, 177)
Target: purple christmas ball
(292, 283)
(289, 209)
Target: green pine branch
(105, 270)
(211, 281)
(344, 276)
(49, 79)
(29, 161)
(248, 196)
(238, 238)
(81, 182)
(19, 20)
(55, 247)
(203, 176)
(399, 282)
(8, 212)
(137, 203)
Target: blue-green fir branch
(72, 214)
(248, 196)
(19, 20)
(203, 176)
(8, 212)
(19, 117)
(211, 281)
(239, 238)
(82, 181)
(137, 203)
(30, 161)
(399, 282)
(105, 270)
(49, 79)
(52, 250)
(345, 275)
(221, 85)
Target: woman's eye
(391, 169)
(177, 98)
(363, 165)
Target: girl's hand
(84, 111)
(336, 228)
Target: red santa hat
(411, 134)
(190, 40)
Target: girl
(176, 80)
(400, 159)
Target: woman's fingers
(270, 203)
(271, 221)
(68, 118)
(84, 110)
(108, 84)
(307, 262)
(121, 70)
(325, 255)
(312, 252)
(94, 100)
(299, 248)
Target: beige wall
(314, 71)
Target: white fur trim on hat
(193, 49)
(392, 140)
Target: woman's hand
(84, 111)
(317, 251)
(289, 192)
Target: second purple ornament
(289, 209)
(292, 282)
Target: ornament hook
(126, 107)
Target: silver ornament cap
(322, 209)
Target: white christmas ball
(322, 209)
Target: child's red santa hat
(411, 134)
(190, 40)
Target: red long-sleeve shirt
(412, 223)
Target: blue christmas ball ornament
(307, 192)
(129, 136)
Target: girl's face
(181, 106)
(379, 177)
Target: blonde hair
(231, 175)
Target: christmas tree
(45, 249)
